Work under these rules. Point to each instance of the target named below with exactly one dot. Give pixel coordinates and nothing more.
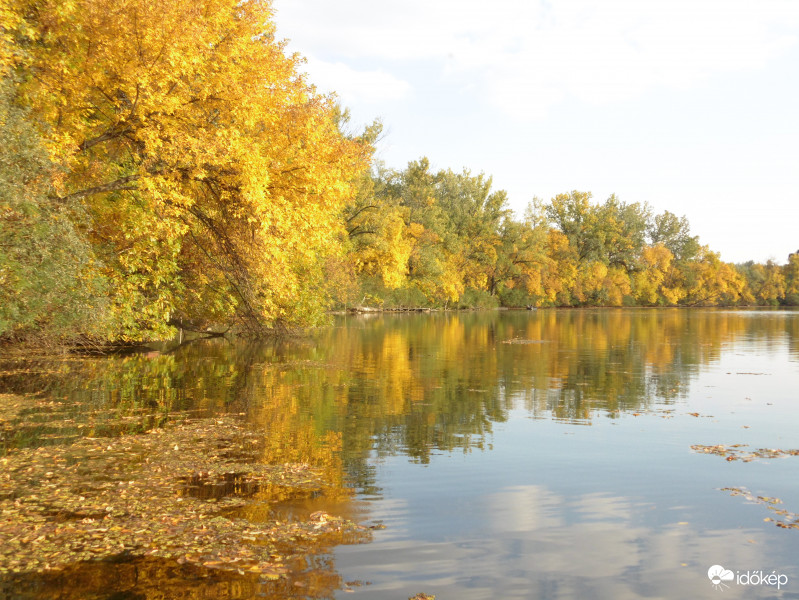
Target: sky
(691, 106)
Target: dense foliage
(200, 172)
(424, 238)
(167, 165)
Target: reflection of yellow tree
(291, 435)
(791, 331)
(580, 362)
(155, 579)
(395, 374)
(414, 383)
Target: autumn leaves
(209, 173)
(444, 238)
(166, 163)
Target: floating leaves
(790, 520)
(169, 493)
(736, 452)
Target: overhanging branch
(123, 183)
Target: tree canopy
(209, 173)
(468, 249)
(169, 165)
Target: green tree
(48, 288)
(791, 270)
(621, 231)
(674, 233)
(451, 237)
(573, 215)
(473, 217)
(430, 269)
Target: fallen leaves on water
(789, 519)
(740, 452)
(168, 493)
(421, 596)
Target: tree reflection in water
(366, 387)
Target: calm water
(522, 454)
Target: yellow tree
(659, 281)
(380, 238)
(382, 247)
(791, 272)
(766, 283)
(212, 172)
(655, 262)
(616, 286)
(709, 281)
(588, 285)
(559, 273)
(516, 273)
(773, 288)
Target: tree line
(419, 237)
(169, 166)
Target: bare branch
(354, 231)
(360, 210)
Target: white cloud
(370, 86)
(524, 508)
(624, 49)
(527, 56)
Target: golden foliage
(212, 172)
(216, 188)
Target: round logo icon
(718, 575)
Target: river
(613, 453)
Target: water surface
(543, 454)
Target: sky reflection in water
(577, 494)
(540, 454)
